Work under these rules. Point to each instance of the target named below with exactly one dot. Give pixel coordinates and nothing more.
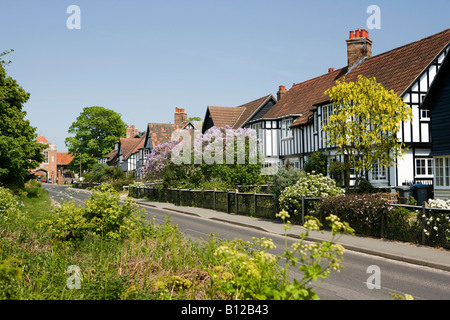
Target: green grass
(163, 265)
(153, 262)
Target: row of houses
(129, 153)
(290, 124)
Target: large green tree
(95, 131)
(19, 150)
(364, 124)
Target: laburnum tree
(19, 150)
(364, 124)
(95, 132)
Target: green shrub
(401, 224)
(285, 177)
(362, 211)
(316, 163)
(309, 186)
(103, 215)
(10, 207)
(68, 223)
(364, 186)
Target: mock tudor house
(130, 153)
(292, 127)
(237, 117)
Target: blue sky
(143, 59)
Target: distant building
(54, 168)
(130, 153)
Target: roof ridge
(410, 44)
(242, 112)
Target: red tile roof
(236, 117)
(395, 70)
(160, 133)
(131, 145)
(63, 158)
(41, 139)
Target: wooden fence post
(254, 203)
(424, 216)
(228, 201)
(303, 210)
(236, 201)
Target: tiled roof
(162, 132)
(395, 70)
(41, 139)
(235, 117)
(129, 145)
(225, 116)
(133, 145)
(63, 158)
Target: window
(424, 114)
(378, 172)
(424, 167)
(286, 131)
(442, 172)
(46, 156)
(316, 122)
(326, 112)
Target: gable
(396, 70)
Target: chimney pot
(330, 70)
(359, 46)
(281, 92)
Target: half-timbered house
(292, 128)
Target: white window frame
(441, 170)
(427, 163)
(286, 131)
(327, 110)
(425, 114)
(378, 173)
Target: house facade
(437, 101)
(292, 129)
(54, 168)
(130, 153)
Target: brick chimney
(132, 131)
(359, 46)
(281, 92)
(180, 116)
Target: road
(351, 283)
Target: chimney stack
(359, 46)
(132, 131)
(330, 70)
(180, 116)
(281, 92)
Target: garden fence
(425, 225)
(430, 225)
(251, 204)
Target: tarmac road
(355, 282)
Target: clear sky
(143, 59)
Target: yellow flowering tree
(364, 124)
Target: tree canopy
(19, 150)
(95, 131)
(364, 124)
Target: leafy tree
(286, 176)
(317, 162)
(19, 150)
(95, 131)
(364, 124)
